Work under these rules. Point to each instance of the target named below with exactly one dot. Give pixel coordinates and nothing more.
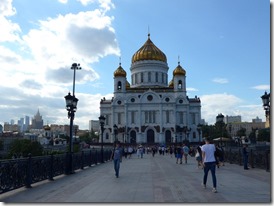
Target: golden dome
(148, 52)
(120, 72)
(179, 70)
(46, 127)
(171, 84)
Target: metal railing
(256, 158)
(23, 172)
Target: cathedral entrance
(132, 137)
(150, 136)
(168, 137)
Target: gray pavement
(149, 180)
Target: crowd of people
(208, 155)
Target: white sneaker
(214, 190)
(204, 186)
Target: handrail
(16, 173)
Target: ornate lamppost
(102, 125)
(71, 106)
(186, 130)
(266, 105)
(199, 129)
(220, 121)
(115, 129)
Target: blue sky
(224, 46)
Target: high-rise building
(37, 121)
(150, 109)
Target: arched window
(156, 77)
(119, 86)
(142, 77)
(149, 76)
(180, 84)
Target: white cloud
(220, 80)
(6, 8)
(39, 75)
(230, 105)
(191, 89)
(261, 87)
(106, 5)
(10, 31)
(63, 1)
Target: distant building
(94, 125)
(27, 123)
(37, 121)
(231, 119)
(257, 120)
(249, 126)
(11, 127)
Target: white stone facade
(151, 110)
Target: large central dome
(149, 52)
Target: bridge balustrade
(16, 173)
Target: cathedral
(150, 109)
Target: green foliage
(89, 137)
(241, 132)
(23, 147)
(264, 135)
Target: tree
(241, 132)
(264, 135)
(23, 147)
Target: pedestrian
(171, 150)
(185, 152)
(178, 154)
(198, 156)
(245, 156)
(130, 151)
(116, 156)
(209, 163)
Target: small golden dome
(120, 72)
(46, 127)
(171, 84)
(149, 52)
(179, 70)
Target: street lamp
(199, 129)
(102, 124)
(71, 106)
(186, 131)
(220, 120)
(266, 105)
(115, 129)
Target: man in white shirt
(209, 163)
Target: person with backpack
(185, 152)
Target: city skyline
(224, 46)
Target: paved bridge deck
(149, 180)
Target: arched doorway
(150, 136)
(168, 137)
(132, 137)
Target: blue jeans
(116, 166)
(245, 158)
(212, 167)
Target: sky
(224, 46)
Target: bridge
(149, 179)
